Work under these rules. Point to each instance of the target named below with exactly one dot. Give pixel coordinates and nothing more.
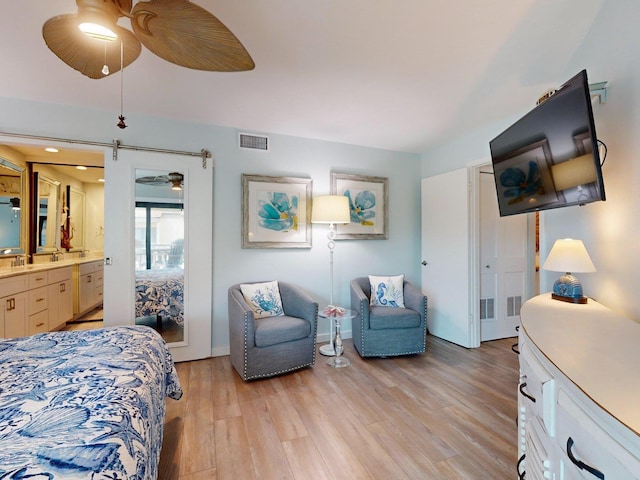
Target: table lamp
(568, 255)
(331, 209)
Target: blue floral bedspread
(84, 404)
(160, 292)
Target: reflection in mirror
(159, 252)
(73, 219)
(11, 179)
(47, 213)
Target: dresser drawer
(38, 323)
(38, 300)
(581, 439)
(537, 389)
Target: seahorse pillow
(263, 298)
(387, 291)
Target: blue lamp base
(568, 289)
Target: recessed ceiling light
(81, 167)
(51, 150)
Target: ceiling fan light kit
(177, 31)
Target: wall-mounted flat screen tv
(549, 158)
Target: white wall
(611, 229)
(289, 156)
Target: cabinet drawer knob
(581, 465)
(522, 387)
(39, 324)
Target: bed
(84, 404)
(160, 294)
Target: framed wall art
(369, 205)
(276, 212)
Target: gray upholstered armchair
(388, 331)
(273, 345)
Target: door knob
(424, 262)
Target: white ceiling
(403, 75)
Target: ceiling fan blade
(85, 54)
(155, 180)
(188, 35)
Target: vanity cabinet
(89, 289)
(35, 302)
(60, 290)
(13, 306)
(578, 392)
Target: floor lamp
(331, 209)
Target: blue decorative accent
(568, 286)
(84, 405)
(361, 208)
(279, 213)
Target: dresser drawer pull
(521, 388)
(40, 324)
(581, 465)
(521, 474)
(39, 300)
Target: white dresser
(579, 399)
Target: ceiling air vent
(254, 142)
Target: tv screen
(549, 158)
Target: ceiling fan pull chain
(121, 117)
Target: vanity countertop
(6, 272)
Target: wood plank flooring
(447, 414)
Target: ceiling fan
(176, 30)
(173, 178)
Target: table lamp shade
(568, 255)
(330, 209)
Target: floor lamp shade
(569, 256)
(330, 209)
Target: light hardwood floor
(447, 414)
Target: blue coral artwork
(279, 212)
(362, 207)
(368, 204)
(275, 212)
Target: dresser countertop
(594, 347)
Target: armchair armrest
(360, 303)
(297, 303)
(241, 317)
(415, 300)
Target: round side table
(337, 314)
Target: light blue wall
(289, 156)
(611, 229)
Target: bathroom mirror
(46, 213)
(11, 215)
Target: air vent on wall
(253, 142)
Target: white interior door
(503, 265)
(119, 246)
(446, 257)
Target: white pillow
(263, 298)
(387, 291)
